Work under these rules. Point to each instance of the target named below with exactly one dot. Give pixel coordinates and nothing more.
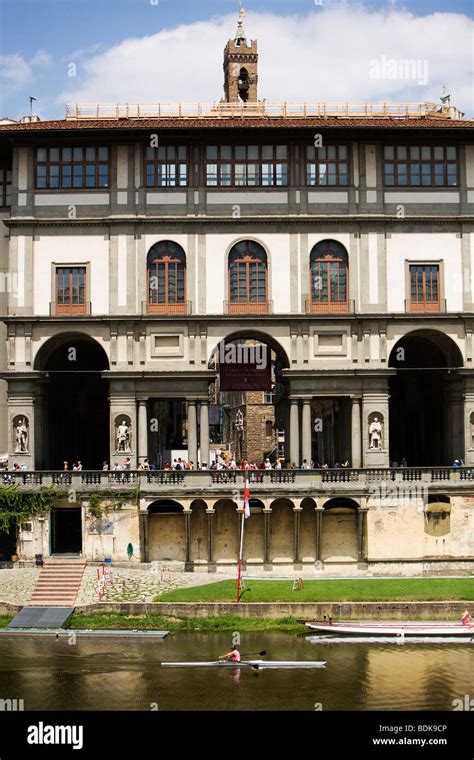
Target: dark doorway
(425, 361)
(66, 530)
(77, 398)
(8, 541)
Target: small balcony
(258, 307)
(425, 307)
(185, 307)
(334, 307)
(70, 309)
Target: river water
(112, 674)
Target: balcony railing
(193, 481)
(262, 109)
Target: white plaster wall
(64, 249)
(416, 246)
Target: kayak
(393, 629)
(255, 664)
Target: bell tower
(240, 67)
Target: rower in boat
(232, 656)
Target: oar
(248, 654)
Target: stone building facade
(139, 241)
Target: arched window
(248, 278)
(329, 271)
(166, 271)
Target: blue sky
(84, 31)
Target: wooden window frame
(410, 162)
(70, 309)
(5, 183)
(176, 162)
(260, 162)
(424, 305)
(61, 163)
(245, 259)
(318, 160)
(326, 259)
(167, 306)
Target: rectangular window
(166, 166)
(420, 166)
(327, 166)
(70, 290)
(64, 168)
(424, 287)
(5, 187)
(246, 165)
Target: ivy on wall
(17, 505)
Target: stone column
(456, 422)
(192, 432)
(468, 427)
(297, 523)
(306, 431)
(356, 433)
(266, 539)
(142, 430)
(188, 564)
(294, 432)
(210, 540)
(204, 433)
(319, 525)
(362, 543)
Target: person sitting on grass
(232, 656)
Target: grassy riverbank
(328, 590)
(120, 621)
(5, 619)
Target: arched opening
(226, 531)
(166, 532)
(199, 532)
(339, 534)
(426, 415)
(166, 278)
(243, 83)
(254, 538)
(282, 531)
(248, 276)
(249, 398)
(74, 425)
(329, 270)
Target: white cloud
(327, 55)
(16, 71)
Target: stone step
(58, 583)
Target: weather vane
(242, 12)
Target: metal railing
(261, 109)
(192, 480)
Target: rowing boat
(393, 629)
(255, 664)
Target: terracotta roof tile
(175, 123)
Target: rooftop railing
(261, 109)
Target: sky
(108, 51)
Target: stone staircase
(58, 583)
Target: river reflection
(126, 675)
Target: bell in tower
(241, 67)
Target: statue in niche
(375, 434)
(21, 436)
(123, 436)
(471, 420)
